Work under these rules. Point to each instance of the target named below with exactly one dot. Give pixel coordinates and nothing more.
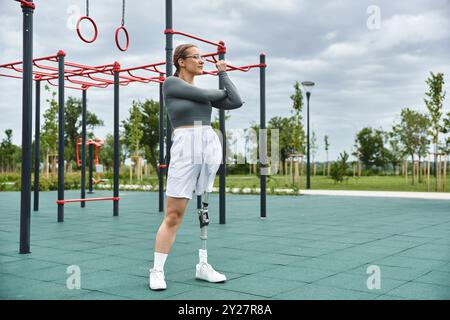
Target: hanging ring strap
(123, 13)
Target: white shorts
(195, 157)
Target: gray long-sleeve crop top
(187, 103)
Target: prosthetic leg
(205, 271)
(204, 220)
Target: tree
(339, 168)
(106, 152)
(285, 128)
(49, 131)
(412, 132)
(290, 129)
(149, 125)
(136, 132)
(253, 150)
(9, 153)
(327, 147)
(298, 131)
(395, 153)
(369, 146)
(73, 123)
(72, 126)
(72, 112)
(92, 121)
(150, 129)
(434, 104)
(446, 130)
(314, 147)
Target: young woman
(196, 154)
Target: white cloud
(411, 29)
(408, 58)
(342, 50)
(288, 6)
(298, 65)
(397, 32)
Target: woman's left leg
(203, 270)
(212, 156)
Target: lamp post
(308, 86)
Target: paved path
(383, 194)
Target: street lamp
(308, 86)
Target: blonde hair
(180, 53)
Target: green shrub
(338, 170)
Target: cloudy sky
(366, 69)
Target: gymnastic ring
(93, 24)
(126, 36)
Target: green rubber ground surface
(309, 247)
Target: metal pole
(263, 136)
(37, 143)
(161, 149)
(169, 50)
(27, 92)
(83, 148)
(91, 151)
(308, 171)
(61, 122)
(116, 138)
(222, 170)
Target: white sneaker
(156, 280)
(204, 271)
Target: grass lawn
(368, 183)
(374, 183)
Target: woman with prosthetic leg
(196, 155)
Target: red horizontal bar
(101, 68)
(213, 54)
(134, 78)
(233, 68)
(9, 65)
(91, 84)
(67, 87)
(49, 58)
(83, 69)
(83, 83)
(87, 199)
(144, 67)
(10, 76)
(171, 31)
(246, 68)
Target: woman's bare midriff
(186, 126)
